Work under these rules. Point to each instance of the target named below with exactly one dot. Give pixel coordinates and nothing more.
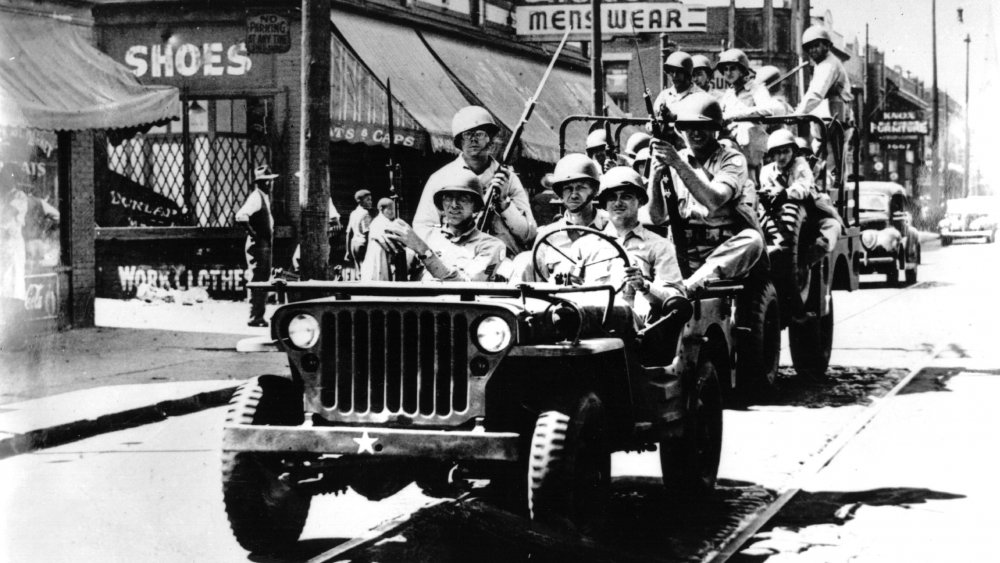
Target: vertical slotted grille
(397, 362)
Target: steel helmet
(573, 167)
(597, 139)
(636, 142)
(361, 194)
(642, 155)
(736, 57)
(816, 33)
(462, 180)
(699, 110)
(469, 118)
(767, 74)
(701, 61)
(679, 60)
(781, 138)
(622, 177)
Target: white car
(970, 218)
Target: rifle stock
(485, 218)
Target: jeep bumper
(437, 444)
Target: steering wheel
(608, 239)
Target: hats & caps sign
(545, 20)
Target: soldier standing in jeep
(457, 250)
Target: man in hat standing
(357, 228)
(255, 217)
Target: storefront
(167, 199)
(57, 90)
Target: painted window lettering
(188, 60)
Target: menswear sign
(543, 20)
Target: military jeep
(530, 387)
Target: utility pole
(314, 154)
(968, 172)
(731, 24)
(935, 158)
(596, 64)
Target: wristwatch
(427, 255)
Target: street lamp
(968, 172)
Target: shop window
(194, 172)
(616, 82)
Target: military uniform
(469, 256)
(515, 226)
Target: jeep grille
(391, 362)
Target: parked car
(970, 218)
(889, 241)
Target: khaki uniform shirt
(470, 256)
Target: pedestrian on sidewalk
(255, 217)
(357, 228)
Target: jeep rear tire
(569, 468)
(690, 463)
(758, 347)
(266, 514)
(811, 341)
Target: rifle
(397, 259)
(663, 129)
(610, 150)
(486, 217)
(785, 76)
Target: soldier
(653, 275)
(357, 228)
(744, 98)
(713, 188)
(474, 130)
(679, 67)
(702, 73)
(790, 174)
(829, 80)
(255, 217)
(456, 250)
(597, 149)
(635, 143)
(576, 179)
(767, 76)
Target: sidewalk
(144, 362)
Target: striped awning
(52, 78)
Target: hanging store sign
(550, 20)
(268, 33)
(900, 126)
(190, 56)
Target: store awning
(52, 78)
(419, 83)
(916, 101)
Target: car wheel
(945, 241)
(758, 347)
(690, 463)
(569, 468)
(892, 276)
(811, 341)
(265, 513)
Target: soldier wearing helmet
(767, 76)
(473, 129)
(678, 67)
(636, 142)
(789, 173)
(744, 98)
(597, 147)
(455, 250)
(575, 179)
(652, 276)
(702, 73)
(714, 192)
(829, 80)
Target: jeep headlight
(303, 330)
(493, 334)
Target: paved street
(158, 485)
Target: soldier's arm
(822, 80)
(517, 214)
(426, 217)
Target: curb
(77, 430)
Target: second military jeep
(529, 386)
